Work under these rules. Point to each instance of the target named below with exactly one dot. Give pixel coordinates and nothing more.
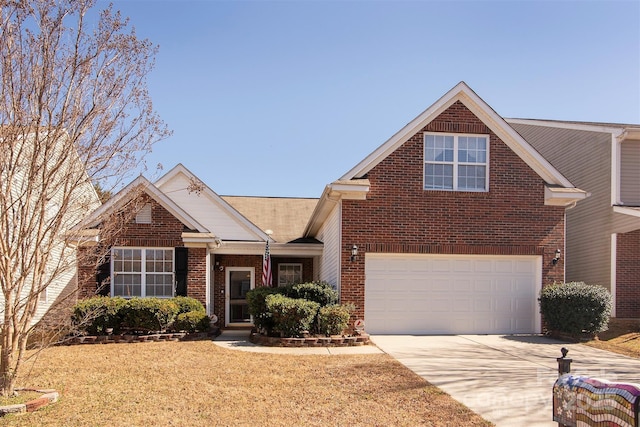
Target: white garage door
(451, 294)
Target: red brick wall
(628, 275)
(399, 216)
(219, 278)
(164, 231)
(197, 274)
(255, 261)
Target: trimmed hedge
(192, 321)
(148, 314)
(291, 316)
(320, 292)
(256, 299)
(334, 319)
(187, 304)
(95, 315)
(575, 308)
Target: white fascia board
(123, 195)
(275, 249)
(175, 210)
(403, 134)
(463, 93)
(559, 196)
(325, 205)
(356, 189)
(627, 211)
(200, 240)
(513, 139)
(117, 200)
(181, 169)
(84, 237)
(632, 133)
(588, 127)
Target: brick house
(192, 242)
(453, 225)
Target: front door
(239, 280)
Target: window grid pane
(289, 273)
(142, 272)
(455, 162)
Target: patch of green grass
(22, 397)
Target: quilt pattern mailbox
(583, 401)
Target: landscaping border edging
(333, 341)
(113, 339)
(48, 397)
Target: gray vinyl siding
(330, 235)
(630, 173)
(584, 158)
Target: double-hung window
(456, 162)
(142, 272)
(289, 273)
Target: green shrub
(291, 316)
(334, 319)
(148, 314)
(320, 292)
(188, 304)
(192, 321)
(575, 308)
(95, 315)
(256, 299)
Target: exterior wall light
(557, 257)
(354, 253)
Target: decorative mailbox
(583, 401)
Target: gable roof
(210, 209)
(463, 93)
(124, 195)
(285, 216)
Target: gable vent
(144, 215)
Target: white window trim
(287, 264)
(455, 162)
(143, 284)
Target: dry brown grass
(623, 337)
(200, 384)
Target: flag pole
(266, 262)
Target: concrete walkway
(508, 380)
(239, 340)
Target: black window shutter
(181, 262)
(103, 277)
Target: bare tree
(74, 112)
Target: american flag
(266, 267)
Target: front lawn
(200, 384)
(623, 337)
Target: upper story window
(289, 273)
(142, 272)
(456, 162)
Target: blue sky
(280, 98)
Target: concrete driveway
(506, 379)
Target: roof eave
(339, 190)
(560, 196)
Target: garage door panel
(457, 294)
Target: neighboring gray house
(603, 231)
